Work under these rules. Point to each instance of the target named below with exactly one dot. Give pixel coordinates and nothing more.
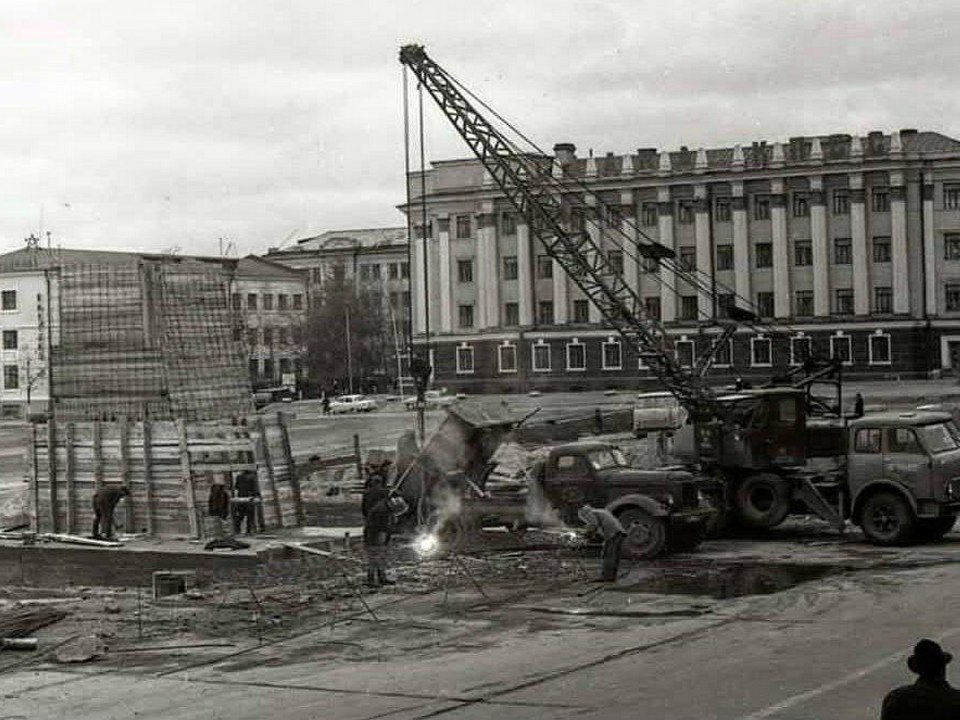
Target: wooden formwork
(169, 467)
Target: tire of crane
(886, 518)
(762, 500)
(646, 533)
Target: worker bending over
(104, 502)
(603, 523)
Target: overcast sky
(160, 125)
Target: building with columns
(850, 244)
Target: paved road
(825, 649)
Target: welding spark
(427, 545)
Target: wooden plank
(196, 528)
(71, 489)
(52, 471)
(148, 475)
(291, 471)
(125, 473)
(268, 464)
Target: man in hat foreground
(931, 697)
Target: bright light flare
(427, 545)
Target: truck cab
(903, 475)
(658, 508)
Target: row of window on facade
(268, 369)
(366, 271)
(611, 353)
(759, 203)
(273, 336)
(265, 301)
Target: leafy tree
(344, 302)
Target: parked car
(433, 399)
(352, 404)
(266, 396)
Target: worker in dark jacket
(246, 493)
(376, 511)
(104, 502)
(603, 523)
(931, 697)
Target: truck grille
(688, 494)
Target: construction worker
(602, 522)
(104, 501)
(246, 494)
(377, 513)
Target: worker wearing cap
(929, 698)
(377, 516)
(603, 523)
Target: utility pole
(349, 353)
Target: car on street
(433, 399)
(352, 404)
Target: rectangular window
(688, 258)
(283, 302)
(760, 351)
(364, 272)
(404, 270)
(615, 258)
(541, 357)
(612, 355)
(722, 209)
(510, 267)
(842, 251)
(880, 349)
(685, 212)
(688, 307)
(465, 315)
(867, 440)
(511, 314)
(724, 355)
(651, 306)
(765, 304)
(545, 312)
(844, 302)
(10, 339)
(253, 365)
(393, 271)
(268, 336)
(761, 207)
(581, 311)
(650, 265)
(253, 337)
(237, 301)
(611, 216)
(648, 214)
(883, 300)
(799, 349)
(953, 298)
(464, 359)
(8, 300)
(298, 302)
(880, 199)
(576, 220)
(507, 357)
(801, 207)
(725, 301)
(840, 348)
(881, 249)
(684, 350)
(251, 301)
(465, 271)
(763, 255)
(544, 267)
(802, 253)
(267, 301)
(576, 356)
(951, 196)
(804, 303)
(268, 368)
(724, 257)
(951, 246)
(11, 377)
(508, 224)
(841, 201)
(463, 226)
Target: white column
(596, 234)
(898, 244)
(929, 246)
(820, 249)
(668, 298)
(443, 259)
(628, 228)
(702, 234)
(485, 232)
(525, 277)
(418, 302)
(781, 253)
(560, 294)
(489, 293)
(433, 263)
(741, 247)
(858, 234)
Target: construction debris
(81, 649)
(19, 622)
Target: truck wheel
(933, 529)
(887, 519)
(682, 539)
(646, 534)
(763, 500)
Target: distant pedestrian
(858, 405)
(603, 522)
(104, 502)
(598, 421)
(246, 494)
(929, 698)
(326, 403)
(377, 514)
